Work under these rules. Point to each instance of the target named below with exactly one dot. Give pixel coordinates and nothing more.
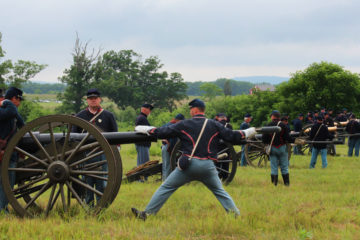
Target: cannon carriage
(55, 164)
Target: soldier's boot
(286, 179)
(139, 214)
(274, 179)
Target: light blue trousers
(199, 170)
(279, 158)
(94, 182)
(166, 166)
(314, 154)
(3, 199)
(243, 161)
(143, 154)
(354, 143)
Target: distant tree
(77, 78)
(322, 84)
(210, 90)
(19, 73)
(23, 71)
(129, 81)
(227, 88)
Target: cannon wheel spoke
(49, 169)
(255, 154)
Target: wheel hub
(58, 171)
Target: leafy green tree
(77, 78)
(227, 88)
(322, 84)
(19, 73)
(129, 81)
(23, 71)
(210, 90)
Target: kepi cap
(221, 115)
(148, 105)
(14, 92)
(179, 117)
(275, 113)
(247, 115)
(196, 103)
(93, 92)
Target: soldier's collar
(199, 116)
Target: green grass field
(319, 204)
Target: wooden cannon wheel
(49, 173)
(226, 163)
(256, 156)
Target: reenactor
(103, 119)
(167, 147)
(143, 148)
(222, 118)
(353, 127)
(199, 141)
(329, 122)
(319, 132)
(277, 149)
(244, 125)
(298, 124)
(285, 120)
(10, 121)
(309, 119)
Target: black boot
(274, 179)
(139, 214)
(286, 179)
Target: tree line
(129, 80)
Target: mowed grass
(319, 204)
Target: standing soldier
(319, 132)
(222, 118)
(244, 125)
(10, 121)
(167, 147)
(353, 127)
(103, 119)
(207, 133)
(278, 149)
(329, 122)
(143, 148)
(297, 123)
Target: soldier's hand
(250, 132)
(144, 129)
(299, 141)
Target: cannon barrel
(113, 138)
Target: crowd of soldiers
(200, 139)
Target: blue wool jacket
(9, 118)
(188, 131)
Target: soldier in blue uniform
(297, 123)
(201, 167)
(103, 119)
(10, 121)
(244, 125)
(167, 147)
(319, 132)
(353, 127)
(143, 148)
(222, 118)
(278, 153)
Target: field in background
(319, 204)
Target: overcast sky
(201, 39)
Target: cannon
(256, 155)
(55, 165)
